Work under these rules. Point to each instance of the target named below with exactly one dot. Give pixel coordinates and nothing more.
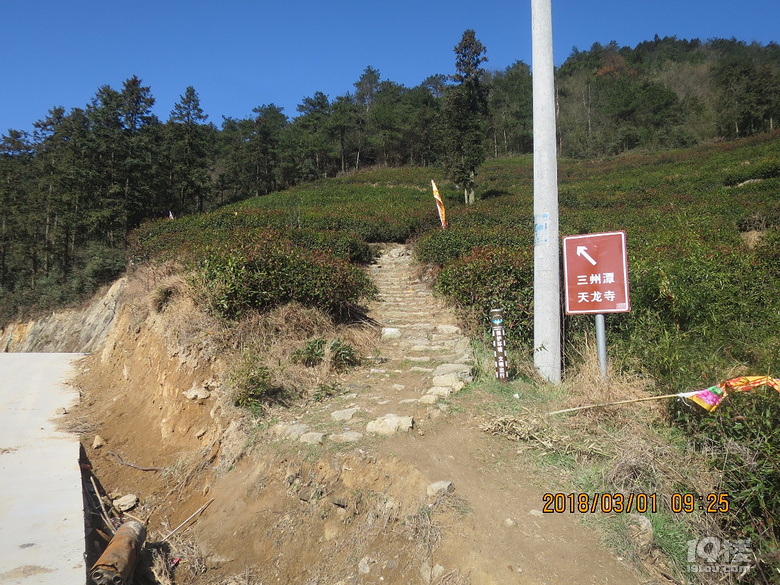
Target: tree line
(73, 188)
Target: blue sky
(240, 54)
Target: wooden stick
(123, 462)
(682, 395)
(198, 511)
(104, 515)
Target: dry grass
(423, 531)
(188, 469)
(258, 342)
(627, 448)
(585, 387)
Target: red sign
(596, 273)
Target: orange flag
(710, 398)
(440, 205)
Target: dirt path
(424, 359)
(341, 489)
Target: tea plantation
(703, 238)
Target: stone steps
(420, 345)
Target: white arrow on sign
(583, 251)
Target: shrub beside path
(397, 408)
(421, 358)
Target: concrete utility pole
(547, 311)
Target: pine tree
(465, 111)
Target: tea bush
(494, 277)
(232, 282)
(440, 247)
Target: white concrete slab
(41, 504)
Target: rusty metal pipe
(117, 564)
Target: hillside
(269, 311)
(316, 491)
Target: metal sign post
(595, 268)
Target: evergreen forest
(74, 188)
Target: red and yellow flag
(440, 205)
(710, 398)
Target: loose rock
(390, 424)
(197, 393)
(344, 415)
(391, 333)
(311, 438)
(640, 532)
(126, 503)
(364, 566)
(296, 430)
(346, 437)
(440, 487)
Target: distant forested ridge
(73, 188)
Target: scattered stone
(331, 531)
(311, 438)
(448, 329)
(421, 370)
(215, 561)
(364, 566)
(200, 433)
(390, 424)
(391, 333)
(428, 399)
(418, 359)
(61, 410)
(407, 401)
(398, 387)
(126, 503)
(98, 442)
(640, 533)
(536, 513)
(377, 371)
(197, 393)
(443, 391)
(463, 371)
(440, 487)
(452, 380)
(509, 523)
(344, 415)
(437, 573)
(346, 437)
(390, 564)
(296, 430)
(279, 429)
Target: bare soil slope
(327, 491)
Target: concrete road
(41, 503)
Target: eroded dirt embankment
(80, 330)
(320, 510)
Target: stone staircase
(422, 358)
